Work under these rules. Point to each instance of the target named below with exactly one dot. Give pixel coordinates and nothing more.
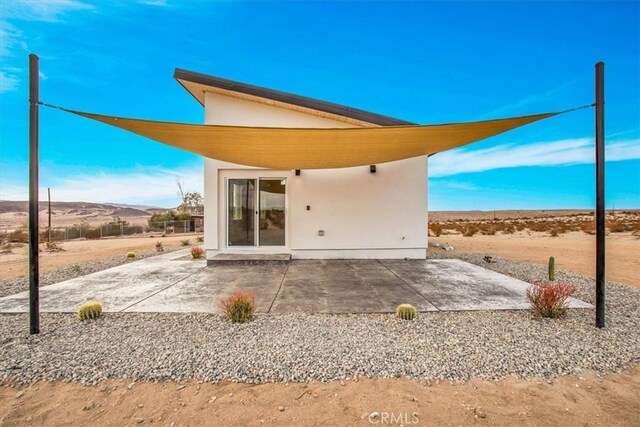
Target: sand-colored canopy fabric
(303, 148)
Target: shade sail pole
(34, 268)
(600, 208)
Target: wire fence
(121, 230)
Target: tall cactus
(552, 269)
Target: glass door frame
(256, 215)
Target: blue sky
(427, 62)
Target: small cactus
(131, 254)
(552, 269)
(90, 310)
(185, 242)
(406, 312)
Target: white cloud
(9, 38)
(8, 81)
(42, 10)
(12, 38)
(524, 105)
(148, 185)
(555, 153)
(154, 2)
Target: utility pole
(34, 267)
(600, 212)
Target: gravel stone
(436, 346)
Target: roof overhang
(198, 84)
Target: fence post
(165, 227)
(121, 230)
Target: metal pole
(34, 272)
(49, 199)
(600, 211)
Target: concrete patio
(166, 284)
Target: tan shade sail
(296, 148)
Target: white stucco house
(377, 211)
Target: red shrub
(197, 252)
(549, 299)
(239, 306)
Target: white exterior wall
(363, 215)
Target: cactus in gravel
(131, 254)
(406, 312)
(90, 310)
(552, 269)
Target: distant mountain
(139, 207)
(77, 208)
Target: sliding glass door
(256, 218)
(241, 214)
(272, 212)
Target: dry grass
(553, 226)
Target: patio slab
(202, 292)
(453, 284)
(344, 286)
(166, 284)
(116, 288)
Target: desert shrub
(520, 226)
(159, 246)
(508, 229)
(169, 216)
(185, 242)
(239, 306)
(470, 230)
(53, 246)
(19, 236)
(549, 299)
(553, 232)
(588, 227)
(619, 227)
(406, 312)
(456, 227)
(131, 254)
(436, 229)
(90, 310)
(200, 239)
(538, 226)
(91, 232)
(487, 229)
(197, 252)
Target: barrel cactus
(406, 312)
(552, 269)
(131, 254)
(90, 310)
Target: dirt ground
(573, 251)
(78, 251)
(572, 400)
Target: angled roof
(197, 84)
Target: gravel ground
(20, 284)
(436, 346)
